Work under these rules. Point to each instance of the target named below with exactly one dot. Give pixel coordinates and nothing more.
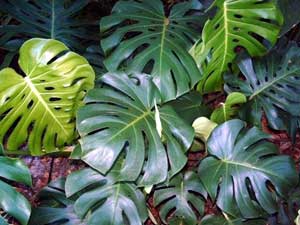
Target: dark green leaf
(290, 14)
(140, 35)
(247, 172)
(54, 207)
(181, 194)
(220, 220)
(119, 117)
(11, 201)
(272, 84)
(46, 19)
(190, 106)
(104, 201)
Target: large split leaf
(54, 207)
(11, 201)
(55, 19)
(39, 108)
(250, 24)
(272, 84)
(247, 173)
(120, 117)
(140, 35)
(102, 200)
(220, 220)
(181, 194)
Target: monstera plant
(157, 146)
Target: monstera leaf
(272, 84)
(229, 109)
(120, 117)
(247, 173)
(39, 108)
(102, 200)
(140, 35)
(45, 19)
(220, 220)
(54, 207)
(250, 24)
(190, 106)
(11, 201)
(181, 195)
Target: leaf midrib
(42, 101)
(263, 88)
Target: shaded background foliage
(49, 168)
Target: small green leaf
(229, 109)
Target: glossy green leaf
(251, 24)
(190, 106)
(244, 172)
(140, 35)
(38, 109)
(46, 19)
(54, 207)
(220, 220)
(272, 84)
(102, 200)
(181, 194)
(11, 201)
(120, 117)
(229, 109)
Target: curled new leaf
(183, 195)
(244, 172)
(38, 108)
(241, 23)
(120, 117)
(140, 35)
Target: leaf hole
(30, 104)
(54, 99)
(49, 88)
(59, 55)
(238, 16)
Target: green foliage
(45, 19)
(190, 106)
(102, 198)
(272, 84)
(39, 108)
(54, 207)
(291, 16)
(220, 220)
(229, 109)
(179, 194)
(119, 117)
(11, 201)
(245, 167)
(250, 24)
(141, 36)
